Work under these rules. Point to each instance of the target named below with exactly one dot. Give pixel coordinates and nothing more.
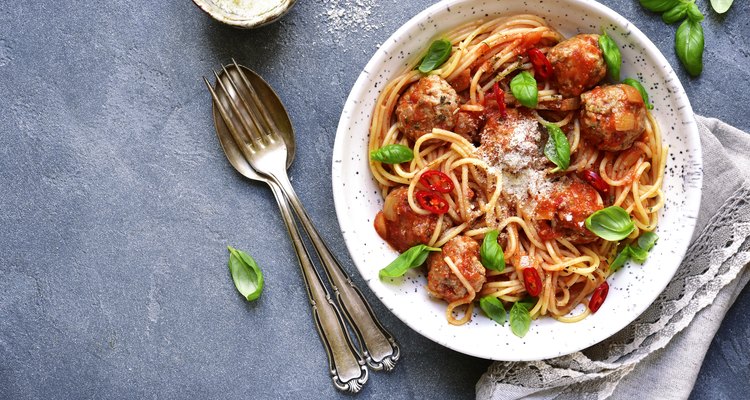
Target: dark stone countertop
(116, 202)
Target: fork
(267, 153)
(347, 367)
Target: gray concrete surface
(116, 202)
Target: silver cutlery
(258, 139)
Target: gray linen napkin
(667, 344)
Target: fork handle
(346, 365)
(380, 348)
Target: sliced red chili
(432, 201)
(532, 281)
(595, 180)
(499, 96)
(437, 181)
(600, 294)
(542, 66)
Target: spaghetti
(454, 119)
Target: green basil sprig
(612, 56)
(392, 154)
(438, 52)
(689, 46)
(520, 319)
(647, 240)
(694, 14)
(491, 253)
(557, 148)
(612, 223)
(637, 252)
(659, 5)
(721, 6)
(494, 309)
(636, 84)
(676, 13)
(523, 87)
(411, 258)
(247, 277)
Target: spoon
(347, 367)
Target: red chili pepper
(595, 180)
(532, 281)
(542, 66)
(437, 181)
(432, 201)
(600, 293)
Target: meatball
(565, 210)
(612, 117)
(429, 103)
(467, 124)
(578, 64)
(442, 282)
(515, 141)
(400, 226)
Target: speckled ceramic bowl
(264, 12)
(632, 289)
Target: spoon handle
(380, 348)
(347, 366)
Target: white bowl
(248, 14)
(632, 289)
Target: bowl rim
(359, 92)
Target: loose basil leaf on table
(520, 319)
(392, 154)
(721, 6)
(411, 258)
(438, 52)
(557, 148)
(494, 309)
(689, 46)
(612, 56)
(491, 253)
(612, 223)
(659, 5)
(677, 13)
(247, 276)
(523, 87)
(636, 84)
(647, 240)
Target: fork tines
(256, 129)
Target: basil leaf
(621, 258)
(647, 240)
(612, 223)
(636, 84)
(523, 87)
(438, 52)
(721, 6)
(392, 154)
(659, 5)
(411, 258)
(638, 254)
(520, 320)
(677, 13)
(528, 302)
(494, 309)
(612, 56)
(557, 148)
(491, 253)
(689, 46)
(247, 277)
(694, 14)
